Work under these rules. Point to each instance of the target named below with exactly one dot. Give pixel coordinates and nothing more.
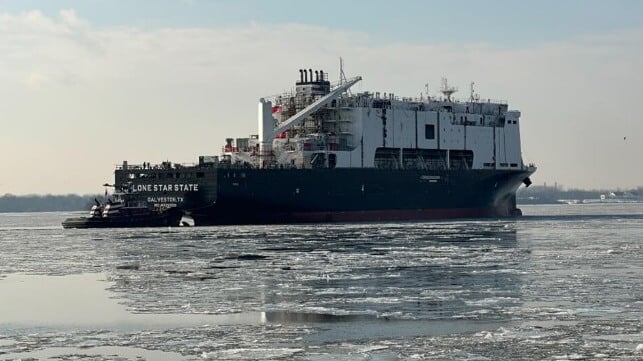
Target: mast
(342, 76)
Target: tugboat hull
(166, 219)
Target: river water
(563, 282)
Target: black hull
(270, 196)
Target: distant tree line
(46, 203)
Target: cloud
(102, 95)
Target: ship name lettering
(191, 187)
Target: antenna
(472, 96)
(447, 90)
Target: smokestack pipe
(311, 75)
(321, 75)
(316, 76)
(301, 75)
(305, 75)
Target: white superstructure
(321, 126)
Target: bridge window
(429, 131)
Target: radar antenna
(447, 90)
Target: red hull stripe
(393, 215)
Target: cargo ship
(325, 154)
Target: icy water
(561, 283)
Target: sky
(87, 84)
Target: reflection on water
(30, 301)
(435, 272)
(307, 317)
(401, 271)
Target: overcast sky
(87, 84)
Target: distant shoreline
(557, 195)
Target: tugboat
(121, 211)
